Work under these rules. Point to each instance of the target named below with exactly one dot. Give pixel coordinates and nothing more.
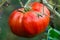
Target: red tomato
(28, 24)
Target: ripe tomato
(28, 24)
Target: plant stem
(51, 8)
(27, 3)
(56, 5)
(1, 4)
(21, 3)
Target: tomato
(28, 24)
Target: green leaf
(53, 34)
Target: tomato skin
(39, 7)
(28, 24)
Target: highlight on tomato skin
(29, 24)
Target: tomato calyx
(27, 9)
(23, 10)
(39, 15)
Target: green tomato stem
(27, 3)
(21, 4)
(26, 7)
(51, 8)
(20, 1)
